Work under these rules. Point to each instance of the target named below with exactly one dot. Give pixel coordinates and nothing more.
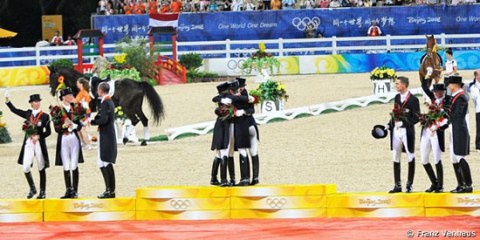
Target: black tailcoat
(105, 119)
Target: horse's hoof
(144, 143)
(125, 140)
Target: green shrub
(194, 76)
(137, 57)
(191, 61)
(62, 63)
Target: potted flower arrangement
(271, 95)
(119, 69)
(4, 136)
(382, 78)
(262, 62)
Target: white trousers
(453, 157)
(399, 140)
(70, 152)
(229, 150)
(32, 150)
(100, 163)
(428, 143)
(253, 143)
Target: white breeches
(253, 143)
(399, 140)
(429, 142)
(31, 151)
(453, 157)
(70, 152)
(100, 163)
(229, 150)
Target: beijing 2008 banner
(288, 24)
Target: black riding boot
(459, 176)
(431, 176)
(43, 184)
(215, 165)
(244, 171)
(255, 169)
(75, 179)
(439, 168)
(411, 175)
(231, 170)
(68, 185)
(105, 180)
(223, 172)
(31, 184)
(111, 179)
(467, 176)
(396, 175)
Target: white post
(280, 47)
(228, 49)
(389, 42)
(334, 45)
(37, 56)
(443, 40)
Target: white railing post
(389, 42)
(334, 45)
(443, 41)
(37, 56)
(280, 47)
(228, 49)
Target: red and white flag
(163, 20)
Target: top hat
(379, 131)
(241, 81)
(439, 87)
(222, 87)
(65, 91)
(454, 79)
(35, 98)
(234, 84)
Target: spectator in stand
(120, 7)
(237, 5)
(102, 5)
(276, 4)
(249, 6)
(128, 7)
(266, 4)
(57, 40)
(176, 6)
(226, 5)
(288, 4)
(139, 7)
(70, 41)
(188, 7)
(322, 3)
(152, 7)
(109, 10)
(334, 4)
(374, 30)
(260, 6)
(165, 8)
(309, 4)
(212, 6)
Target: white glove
(251, 99)
(386, 126)
(85, 123)
(7, 95)
(84, 105)
(72, 127)
(443, 122)
(226, 101)
(433, 128)
(398, 124)
(240, 113)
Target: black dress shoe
(439, 189)
(214, 181)
(432, 189)
(32, 192)
(243, 182)
(68, 194)
(409, 189)
(254, 181)
(467, 189)
(232, 182)
(41, 195)
(458, 189)
(224, 183)
(396, 189)
(106, 194)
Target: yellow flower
(262, 47)
(120, 58)
(381, 75)
(2, 125)
(390, 72)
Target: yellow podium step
(448, 204)
(21, 210)
(283, 190)
(183, 192)
(375, 200)
(279, 202)
(280, 213)
(183, 204)
(183, 215)
(116, 209)
(375, 212)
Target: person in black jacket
(34, 145)
(402, 127)
(433, 138)
(459, 137)
(105, 119)
(69, 151)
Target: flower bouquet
(398, 113)
(225, 112)
(271, 90)
(4, 135)
(260, 60)
(58, 117)
(435, 117)
(30, 128)
(382, 73)
(257, 95)
(79, 112)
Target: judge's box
(375, 205)
(449, 204)
(21, 210)
(280, 201)
(114, 209)
(183, 203)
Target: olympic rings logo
(180, 204)
(302, 23)
(276, 203)
(235, 64)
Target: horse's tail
(156, 105)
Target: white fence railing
(36, 56)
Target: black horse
(128, 94)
